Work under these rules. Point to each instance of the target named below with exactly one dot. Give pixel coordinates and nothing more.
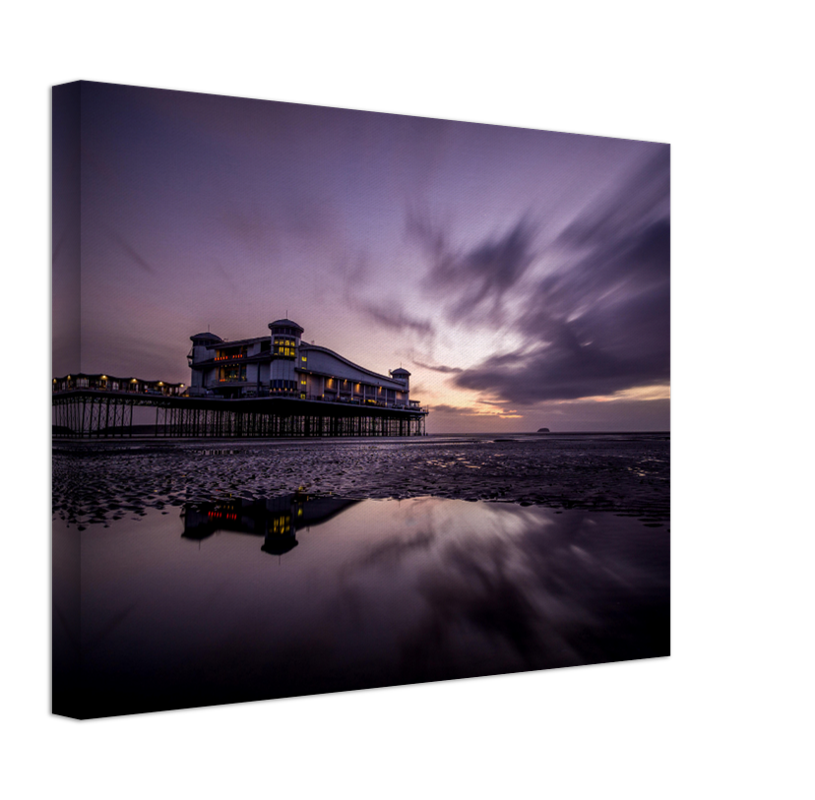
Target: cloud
(392, 317)
(640, 198)
(439, 367)
(134, 254)
(475, 280)
(599, 323)
(464, 411)
(397, 320)
(443, 408)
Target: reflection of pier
(277, 519)
(97, 406)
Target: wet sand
(225, 571)
(625, 474)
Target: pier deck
(101, 413)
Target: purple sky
(521, 276)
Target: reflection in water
(276, 519)
(379, 593)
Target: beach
(621, 473)
(192, 573)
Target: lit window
(284, 347)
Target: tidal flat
(623, 473)
(194, 573)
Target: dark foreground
(217, 574)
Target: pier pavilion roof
(286, 323)
(207, 335)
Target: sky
(521, 276)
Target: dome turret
(285, 326)
(401, 375)
(205, 338)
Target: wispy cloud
(393, 318)
(134, 254)
(473, 281)
(439, 367)
(467, 411)
(598, 323)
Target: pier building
(269, 386)
(281, 364)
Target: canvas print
(345, 400)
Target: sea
(203, 572)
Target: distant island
(543, 430)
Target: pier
(99, 406)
